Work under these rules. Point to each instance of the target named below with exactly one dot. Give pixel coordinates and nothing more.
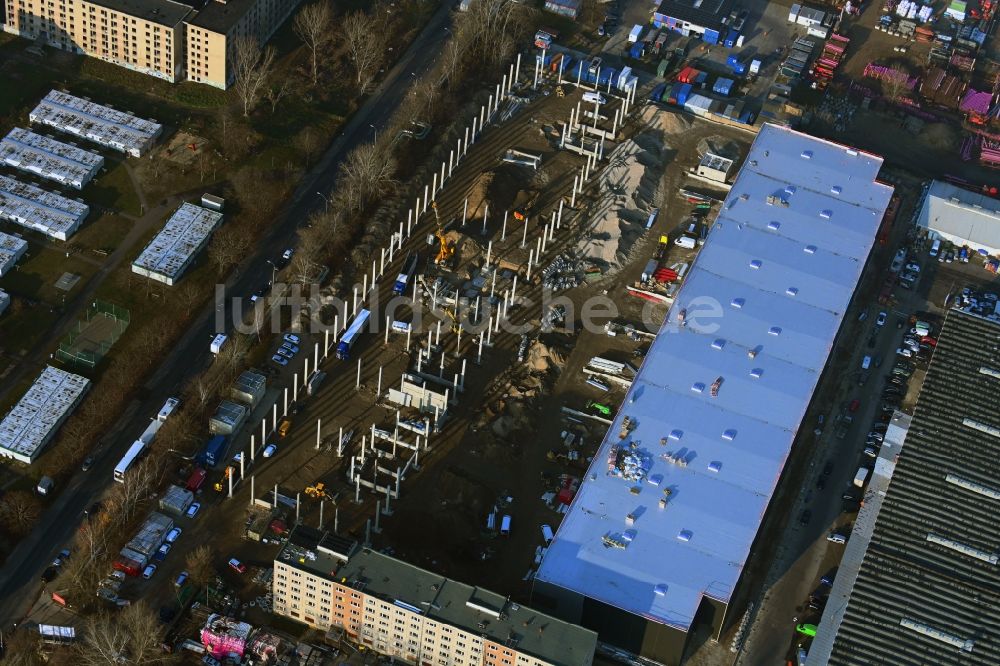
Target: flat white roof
(183, 236)
(772, 281)
(12, 248)
(28, 427)
(48, 158)
(100, 124)
(40, 210)
(966, 216)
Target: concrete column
(318, 430)
(357, 382)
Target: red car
(237, 566)
(853, 407)
(928, 340)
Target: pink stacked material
(873, 70)
(223, 636)
(989, 152)
(975, 101)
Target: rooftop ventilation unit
(774, 226)
(981, 427)
(792, 291)
(937, 634)
(756, 264)
(965, 549)
(992, 493)
(809, 249)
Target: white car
(880, 321)
(287, 254)
(192, 510)
(291, 337)
(173, 534)
(270, 450)
(913, 267)
(902, 351)
(836, 538)
(148, 572)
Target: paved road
(20, 576)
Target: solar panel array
(48, 158)
(101, 124)
(929, 588)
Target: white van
(935, 247)
(547, 534)
(866, 362)
(594, 97)
(505, 526)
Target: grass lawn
(36, 274)
(21, 330)
(102, 236)
(114, 190)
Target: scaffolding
(183, 236)
(30, 425)
(36, 209)
(100, 124)
(50, 159)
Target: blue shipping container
(636, 51)
(731, 39)
(683, 93)
(657, 93)
(213, 452)
(710, 37)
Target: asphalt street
(20, 576)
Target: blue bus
(404, 277)
(351, 335)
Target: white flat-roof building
(12, 249)
(54, 160)
(183, 236)
(39, 210)
(36, 417)
(100, 124)
(962, 217)
(666, 516)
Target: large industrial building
(96, 123)
(413, 615)
(705, 19)
(184, 235)
(33, 421)
(175, 41)
(50, 159)
(12, 249)
(658, 535)
(962, 217)
(928, 588)
(39, 210)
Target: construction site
(456, 430)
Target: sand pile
(500, 188)
(627, 186)
(541, 358)
(661, 120)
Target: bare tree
(130, 637)
(491, 28)
(134, 490)
(277, 91)
(313, 26)
(366, 56)
(22, 648)
(226, 247)
(308, 143)
(366, 172)
(19, 511)
(199, 565)
(894, 83)
(251, 70)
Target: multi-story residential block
(175, 41)
(414, 615)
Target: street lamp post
(375, 130)
(326, 203)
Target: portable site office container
(505, 526)
(634, 35)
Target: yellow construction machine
(318, 491)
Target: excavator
(446, 243)
(318, 491)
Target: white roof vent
(715, 466)
(729, 435)
(789, 190)
(826, 214)
(660, 589)
(719, 343)
(698, 387)
(756, 373)
(836, 189)
(774, 226)
(685, 535)
(809, 249)
(792, 291)
(774, 330)
(676, 434)
(738, 303)
(807, 154)
(756, 263)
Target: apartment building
(143, 35)
(410, 614)
(190, 40)
(213, 31)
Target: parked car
(173, 534)
(880, 320)
(237, 566)
(871, 452)
(148, 572)
(877, 436)
(192, 510)
(902, 351)
(88, 462)
(855, 404)
(290, 347)
(281, 351)
(181, 579)
(280, 360)
(161, 552)
(270, 450)
(836, 537)
(828, 577)
(291, 337)
(61, 558)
